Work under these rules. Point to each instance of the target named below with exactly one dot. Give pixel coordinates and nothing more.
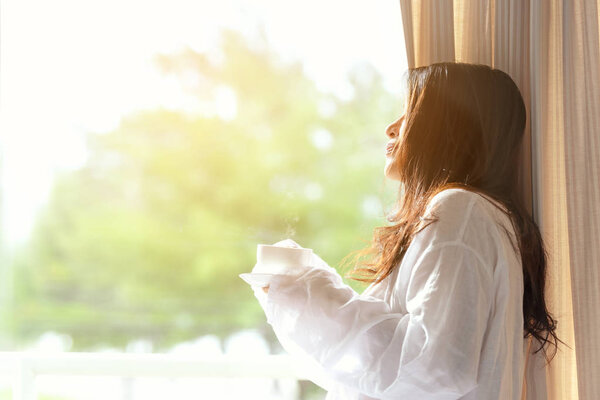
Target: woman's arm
(432, 350)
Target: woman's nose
(392, 130)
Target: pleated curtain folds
(551, 49)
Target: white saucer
(257, 279)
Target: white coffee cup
(271, 259)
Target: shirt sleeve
(432, 351)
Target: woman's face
(394, 131)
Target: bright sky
(70, 66)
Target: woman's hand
(266, 289)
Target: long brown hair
(464, 128)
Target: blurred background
(146, 148)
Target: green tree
(148, 238)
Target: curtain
(551, 50)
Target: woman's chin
(388, 171)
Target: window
(148, 147)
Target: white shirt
(447, 324)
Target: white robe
(447, 324)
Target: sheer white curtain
(551, 49)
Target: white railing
(25, 367)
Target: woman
(457, 281)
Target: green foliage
(148, 238)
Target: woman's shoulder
(461, 201)
(451, 206)
(465, 216)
